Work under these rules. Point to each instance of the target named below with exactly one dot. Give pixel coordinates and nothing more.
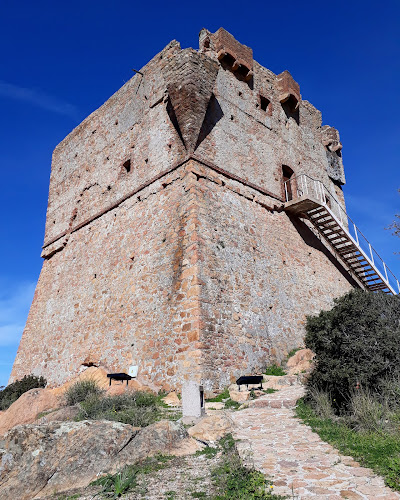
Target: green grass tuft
(233, 481)
(80, 391)
(115, 485)
(293, 352)
(377, 450)
(220, 398)
(275, 370)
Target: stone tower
(167, 244)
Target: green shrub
(135, 408)
(80, 391)
(13, 391)
(356, 342)
(275, 370)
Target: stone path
(299, 463)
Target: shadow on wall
(213, 115)
(311, 240)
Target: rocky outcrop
(212, 428)
(27, 407)
(166, 437)
(300, 362)
(65, 414)
(172, 399)
(38, 460)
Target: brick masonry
(166, 244)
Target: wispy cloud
(14, 307)
(38, 98)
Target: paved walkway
(299, 463)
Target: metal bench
(119, 376)
(250, 379)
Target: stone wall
(166, 242)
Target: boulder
(217, 405)
(300, 362)
(39, 460)
(172, 399)
(166, 437)
(65, 414)
(211, 428)
(280, 381)
(27, 407)
(238, 396)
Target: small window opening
(127, 165)
(228, 60)
(242, 70)
(328, 201)
(116, 122)
(289, 107)
(264, 103)
(287, 179)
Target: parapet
(288, 90)
(230, 52)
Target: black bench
(119, 376)
(250, 379)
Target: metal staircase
(310, 199)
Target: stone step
(284, 398)
(274, 403)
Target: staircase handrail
(302, 184)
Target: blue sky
(61, 60)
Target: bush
(356, 343)
(13, 391)
(81, 390)
(135, 408)
(275, 370)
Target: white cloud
(39, 99)
(14, 307)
